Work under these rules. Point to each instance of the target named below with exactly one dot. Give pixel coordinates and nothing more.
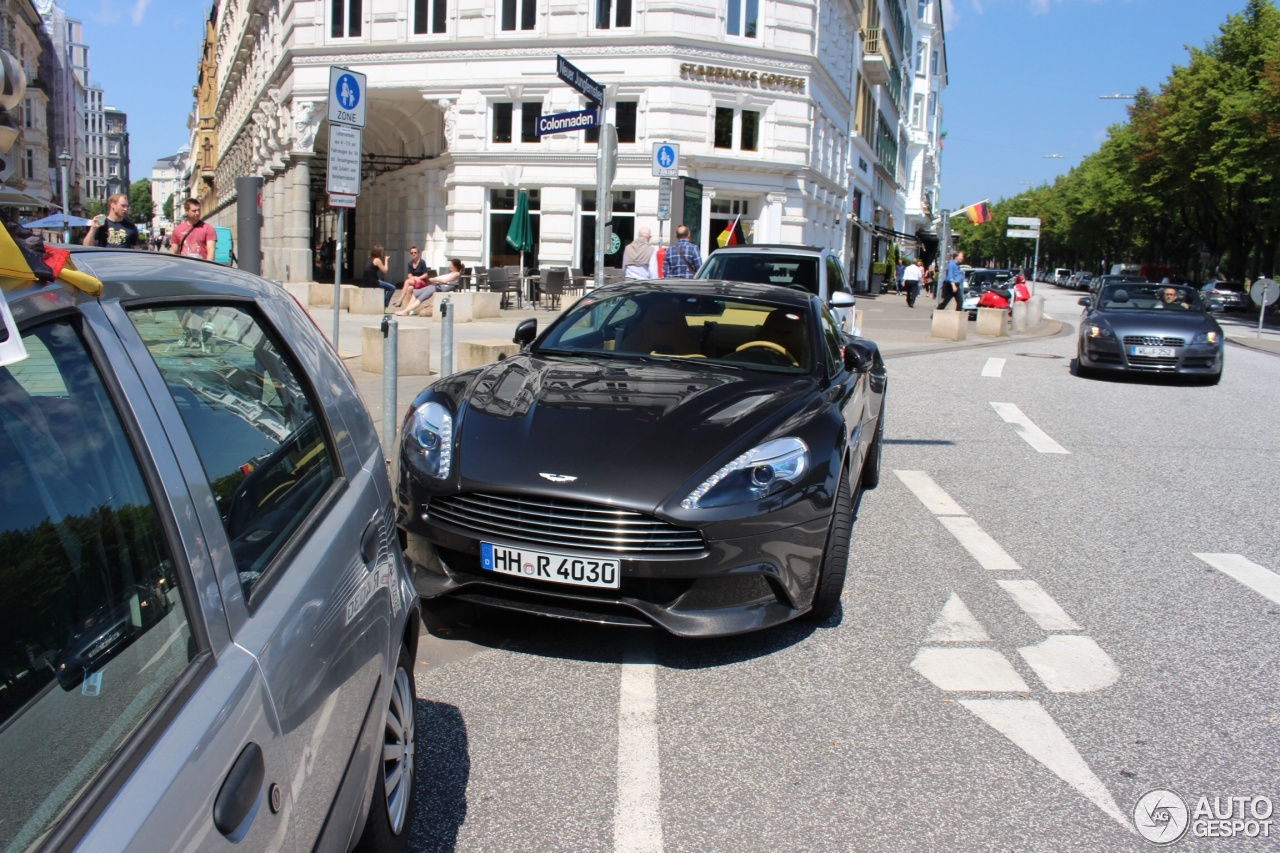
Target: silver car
(207, 627)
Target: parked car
(805, 267)
(207, 627)
(1226, 296)
(683, 454)
(1060, 276)
(979, 281)
(1149, 328)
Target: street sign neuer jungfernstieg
(571, 74)
(1026, 221)
(1021, 232)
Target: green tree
(167, 208)
(140, 203)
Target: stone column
(295, 251)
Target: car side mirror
(843, 299)
(856, 356)
(526, 332)
(1085, 302)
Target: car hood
(1158, 322)
(624, 431)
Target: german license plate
(1154, 352)
(545, 566)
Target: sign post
(606, 156)
(666, 165)
(1263, 292)
(1032, 226)
(346, 121)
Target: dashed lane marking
(1029, 432)
(1037, 604)
(979, 544)
(955, 624)
(1260, 579)
(934, 499)
(993, 368)
(637, 820)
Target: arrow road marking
(1029, 432)
(934, 499)
(969, 670)
(993, 367)
(955, 624)
(637, 823)
(1260, 579)
(1031, 728)
(979, 543)
(1071, 664)
(1037, 604)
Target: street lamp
(1117, 97)
(1054, 156)
(64, 159)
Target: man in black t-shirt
(418, 274)
(114, 230)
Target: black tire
(391, 806)
(871, 467)
(835, 558)
(1078, 368)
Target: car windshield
(678, 326)
(1132, 296)
(1233, 286)
(771, 268)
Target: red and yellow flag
(729, 236)
(979, 213)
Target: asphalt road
(1029, 644)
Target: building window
(613, 13)
(922, 9)
(502, 205)
(26, 113)
(741, 18)
(625, 120)
(622, 223)
(429, 16)
(502, 122)
(933, 63)
(738, 129)
(922, 49)
(529, 111)
(933, 103)
(519, 15)
(917, 110)
(345, 18)
(31, 164)
(724, 127)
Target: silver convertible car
(682, 454)
(207, 627)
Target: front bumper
(1109, 354)
(734, 586)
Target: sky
(1025, 77)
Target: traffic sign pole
(347, 103)
(604, 202)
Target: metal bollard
(446, 339)
(390, 367)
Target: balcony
(875, 57)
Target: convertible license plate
(556, 568)
(1154, 352)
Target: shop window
(345, 18)
(623, 216)
(429, 16)
(502, 122)
(502, 205)
(519, 15)
(613, 13)
(741, 18)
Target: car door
(300, 531)
(849, 388)
(125, 707)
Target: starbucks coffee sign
(755, 79)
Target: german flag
(979, 213)
(24, 258)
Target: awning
(895, 235)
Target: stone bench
(465, 305)
(992, 322)
(949, 325)
(479, 353)
(413, 350)
(321, 295)
(366, 300)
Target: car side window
(835, 275)
(255, 426)
(93, 628)
(831, 344)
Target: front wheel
(391, 809)
(835, 557)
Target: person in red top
(195, 237)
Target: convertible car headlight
(1205, 338)
(431, 433)
(1096, 331)
(756, 474)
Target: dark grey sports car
(681, 454)
(1149, 328)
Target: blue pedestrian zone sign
(348, 92)
(565, 122)
(666, 160)
(666, 156)
(346, 97)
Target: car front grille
(562, 524)
(1153, 341)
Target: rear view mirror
(526, 332)
(843, 299)
(1085, 302)
(11, 347)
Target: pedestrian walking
(929, 281)
(898, 274)
(194, 238)
(374, 272)
(911, 282)
(416, 276)
(114, 229)
(640, 260)
(683, 260)
(953, 282)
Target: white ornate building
(760, 97)
(924, 125)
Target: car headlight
(756, 474)
(430, 433)
(1096, 331)
(1205, 338)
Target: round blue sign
(666, 156)
(347, 92)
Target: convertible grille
(551, 523)
(1153, 341)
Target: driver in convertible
(1169, 298)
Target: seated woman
(374, 272)
(431, 286)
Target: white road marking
(1037, 604)
(637, 821)
(969, 670)
(955, 624)
(1029, 432)
(1071, 664)
(1031, 728)
(934, 499)
(979, 543)
(993, 367)
(1260, 579)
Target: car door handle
(369, 543)
(241, 794)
